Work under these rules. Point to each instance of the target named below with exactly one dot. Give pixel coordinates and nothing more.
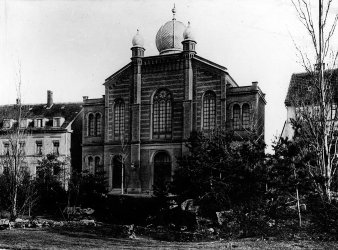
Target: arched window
(117, 171)
(97, 165)
(236, 117)
(90, 164)
(118, 119)
(162, 170)
(209, 110)
(91, 125)
(162, 113)
(98, 124)
(246, 116)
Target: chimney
(254, 84)
(85, 98)
(17, 101)
(49, 98)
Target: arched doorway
(117, 172)
(162, 170)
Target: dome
(169, 37)
(138, 40)
(188, 34)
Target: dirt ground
(70, 239)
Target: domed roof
(188, 34)
(138, 40)
(170, 36)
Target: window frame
(162, 114)
(245, 117)
(208, 111)
(119, 119)
(236, 120)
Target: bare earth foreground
(63, 239)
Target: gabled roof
(303, 86)
(165, 57)
(210, 63)
(120, 71)
(31, 111)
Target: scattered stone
(223, 216)
(4, 224)
(88, 222)
(190, 206)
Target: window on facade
(162, 114)
(56, 146)
(22, 148)
(246, 116)
(98, 124)
(236, 117)
(24, 166)
(38, 123)
(118, 119)
(39, 147)
(209, 110)
(7, 123)
(23, 123)
(91, 128)
(98, 169)
(334, 111)
(90, 164)
(162, 169)
(57, 122)
(6, 148)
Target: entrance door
(162, 169)
(117, 171)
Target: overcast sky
(71, 47)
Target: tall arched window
(98, 122)
(162, 170)
(246, 116)
(116, 165)
(162, 112)
(90, 164)
(236, 117)
(118, 119)
(91, 125)
(97, 165)
(209, 110)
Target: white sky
(71, 47)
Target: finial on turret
(138, 40)
(174, 12)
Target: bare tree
(13, 158)
(123, 155)
(315, 99)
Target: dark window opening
(236, 117)
(118, 119)
(209, 110)
(162, 115)
(246, 116)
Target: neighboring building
(152, 104)
(44, 129)
(302, 92)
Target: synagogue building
(136, 132)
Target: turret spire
(174, 12)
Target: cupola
(170, 36)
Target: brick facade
(185, 78)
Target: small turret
(138, 43)
(189, 42)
